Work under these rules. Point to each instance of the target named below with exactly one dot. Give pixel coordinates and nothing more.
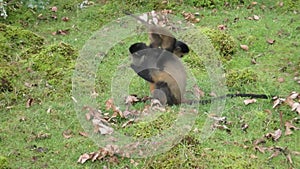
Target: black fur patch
(163, 86)
(184, 47)
(137, 47)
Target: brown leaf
(296, 107)
(84, 134)
(297, 153)
(289, 127)
(88, 116)
(249, 101)
(109, 104)
(29, 85)
(275, 136)
(83, 158)
(54, 16)
(54, 9)
(190, 17)
(222, 127)
(275, 153)
(280, 79)
(65, 19)
(131, 99)
(67, 134)
(259, 141)
(260, 149)
(244, 47)
(130, 121)
(102, 128)
(253, 61)
(29, 102)
(278, 102)
(61, 32)
(289, 158)
(222, 27)
(271, 41)
(293, 95)
(245, 127)
(252, 156)
(255, 17)
(198, 92)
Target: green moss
(221, 41)
(7, 72)
(193, 61)
(3, 162)
(237, 78)
(55, 62)
(16, 42)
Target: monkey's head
(137, 47)
(181, 49)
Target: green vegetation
(38, 51)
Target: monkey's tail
(207, 101)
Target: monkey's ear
(137, 47)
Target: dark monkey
(168, 75)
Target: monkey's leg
(151, 86)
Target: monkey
(168, 75)
(162, 69)
(161, 37)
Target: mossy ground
(39, 66)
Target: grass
(31, 137)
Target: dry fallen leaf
(297, 108)
(198, 92)
(244, 47)
(249, 101)
(255, 17)
(130, 121)
(83, 158)
(222, 127)
(54, 9)
(67, 134)
(275, 136)
(280, 79)
(65, 19)
(102, 128)
(29, 102)
(259, 141)
(190, 17)
(271, 41)
(260, 149)
(245, 127)
(109, 104)
(277, 102)
(253, 61)
(275, 153)
(61, 32)
(131, 99)
(253, 3)
(222, 27)
(281, 4)
(84, 134)
(289, 127)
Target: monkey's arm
(145, 74)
